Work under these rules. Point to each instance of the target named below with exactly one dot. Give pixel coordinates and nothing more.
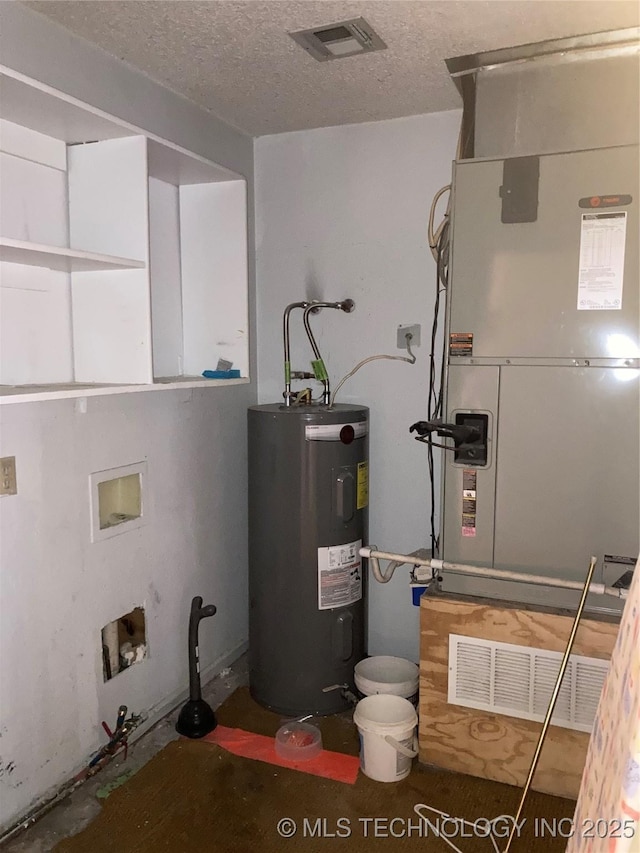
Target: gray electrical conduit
(373, 555)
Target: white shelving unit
(123, 258)
(60, 258)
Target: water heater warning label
(339, 575)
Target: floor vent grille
(518, 681)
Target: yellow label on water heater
(362, 492)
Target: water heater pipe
(346, 305)
(373, 555)
(287, 349)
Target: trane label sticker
(602, 244)
(611, 200)
(339, 575)
(469, 494)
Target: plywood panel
(494, 746)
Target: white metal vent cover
(518, 681)
(336, 41)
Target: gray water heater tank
(308, 497)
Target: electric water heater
(308, 497)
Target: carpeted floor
(194, 797)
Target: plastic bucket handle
(410, 753)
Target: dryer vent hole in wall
(123, 643)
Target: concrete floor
(72, 814)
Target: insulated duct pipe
(374, 556)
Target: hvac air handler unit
(543, 304)
(308, 496)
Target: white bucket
(387, 675)
(387, 728)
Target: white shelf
(158, 285)
(38, 393)
(35, 105)
(60, 258)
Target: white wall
(342, 212)
(57, 590)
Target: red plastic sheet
(330, 765)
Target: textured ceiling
(236, 59)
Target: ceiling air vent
(335, 41)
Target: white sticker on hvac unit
(339, 575)
(602, 243)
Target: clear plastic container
(298, 741)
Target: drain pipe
(373, 555)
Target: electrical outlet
(8, 482)
(414, 331)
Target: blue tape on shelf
(221, 374)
